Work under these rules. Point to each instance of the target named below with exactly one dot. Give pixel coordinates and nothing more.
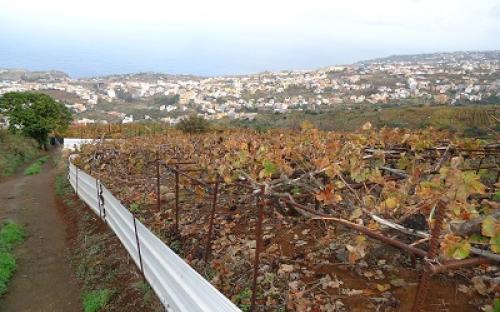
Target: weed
(134, 207)
(36, 167)
(95, 300)
(15, 150)
(11, 234)
(62, 185)
(210, 273)
(496, 197)
(176, 246)
(496, 305)
(242, 299)
(7, 268)
(146, 291)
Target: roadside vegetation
(110, 281)
(36, 167)
(11, 234)
(15, 149)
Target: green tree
(194, 124)
(35, 115)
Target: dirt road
(44, 280)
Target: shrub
(194, 124)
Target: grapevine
(385, 180)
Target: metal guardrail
(179, 287)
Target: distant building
(128, 119)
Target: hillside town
(429, 79)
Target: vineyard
(306, 220)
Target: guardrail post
(97, 187)
(258, 242)
(101, 202)
(76, 181)
(211, 223)
(138, 248)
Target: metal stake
(158, 194)
(211, 223)
(479, 166)
(258, 241)
(177, 198)
(423, 286)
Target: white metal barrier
(179, 287)
(72, 143)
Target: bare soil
(44, 280)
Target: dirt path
(44, 280)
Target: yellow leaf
(383, 287)
(391, 203)
(490, 227)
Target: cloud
(239, 36)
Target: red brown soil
(44, 280)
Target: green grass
(95, 300)
(36, 167)
(15, 150)
(11, 234)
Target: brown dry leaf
(351, 292)
(356, 214)
(383, 287)
(358, 251)
(285, 269)
(464, 289)
(479, 285)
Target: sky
(221, 37)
